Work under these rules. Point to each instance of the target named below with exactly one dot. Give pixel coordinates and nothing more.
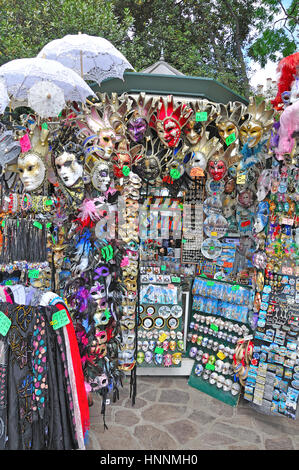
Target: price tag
(5, 324)
(107, 313)
(201, 116)
(162, 337)
(241, 178)
(227, 264)
(230, 139)
(213, 234)
(163, 267)
(221, 355)
(210, 283)
(214, 327)
(159, 350)
(49, 202)
(38, 225)
(210, 367)
(59, 319)
(235, 287)
(170, 286)
(33, 273)
(175, 279)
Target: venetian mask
(137, 128)
(192, 131)
(68, 168)
(217, 169)
(227, 128)
(169, 132)
(230, 186)
(263, 184)
(32, 171)
(196, 165)
(106, 142)
(245, 198)
(101, 178)
(251, 133)
(262, 216)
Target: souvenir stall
(139, 232)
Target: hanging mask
(193, 131)
(262, 216)
(259, 122)
(101, 177)
(158, 359)
(68, 168)
(140, 357)
(169, 121)
(148, 356)
(263, 185)
(137, 124)
(196, 165)
(137, 128)
(217, 169)
(246, 198)
(32, 171)
(167, 360)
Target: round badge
(172, 323)
(164, 311)
(150, 310)
(141, 308)
(211, 248)
(147, 323)
(176, 311)
(159, 322)
(215, 226)
(212, 205)
(214, 187)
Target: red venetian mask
(217, 169)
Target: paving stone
(174, 396)
(243, 447)
(126, 417)
(150, 395)
(116, 438)
(151, 437)
(139, 403)
(236, 432)
(279, 443)
(182, 430)
(214, 439)
(201, 417)
(93, 443)
(161, 413)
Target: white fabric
(4, 98)
(20, 75)
(100, 59)
(46, 99)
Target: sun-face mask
(68, 168)
(32, 171)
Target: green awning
(184, 86)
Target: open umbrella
(94, 58)
(4, 98)
(20, 75)
(46, 98)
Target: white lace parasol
(46, 99)
(20, 75)
(4, 98)
(94, 58)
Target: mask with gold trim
(260, 121)
(139, 116)
(219, 163)
(169, 119)
(205, 150)
(194, 129)
(31, 165)
(229, 119)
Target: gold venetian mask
(226, 128)
(251, 133)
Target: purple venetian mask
(137, 128)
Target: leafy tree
(276, 31)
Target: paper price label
(201, 116)
(241, 179)
(5, 324)
(33, 273)
(230, 139)
(214, 327)
(221, 355)
(175, 279)
(214, 234)
(210, 367)
(162, 337)
(159, 350)
(59, 319)
(37, 225)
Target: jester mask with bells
(169, 120)
(229, 119)
(101, 128)
(139, 117)
(204, 112)
(219, 163)
(31, 164)
(205, 150)
(259, 122)
(156, 158)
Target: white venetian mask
(100, 178)
(32, 171)
(68, 168)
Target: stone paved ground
(171, 415)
